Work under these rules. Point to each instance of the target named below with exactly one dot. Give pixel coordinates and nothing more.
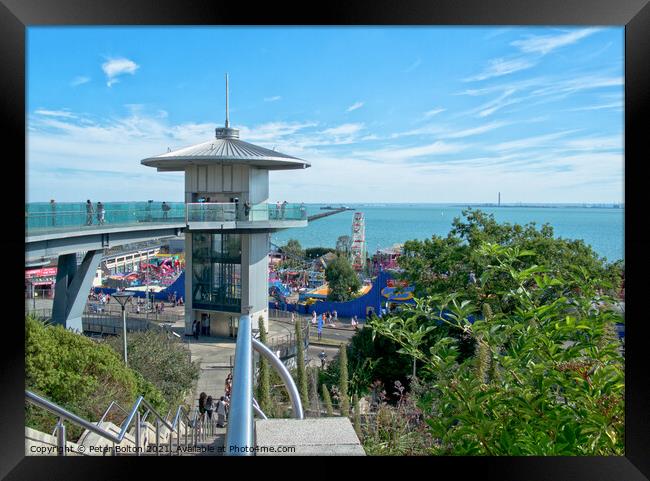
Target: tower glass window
(216, 271)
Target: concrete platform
(311, 437)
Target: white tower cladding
(229, 221)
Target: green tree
(327, 400)
(162, 360)
(79, 374)
(264, 382)
(294, 254)
(442, 265)
(315, 252)
(343, 381)
(342, 280)
(300, 365)
(558, 382)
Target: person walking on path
(100, 213)
(320, 327)
(228, 385)
(202, 398)
(195, 329)
(313, 318)
(53, 211)
(165, 209)
(210, 406)
(282, 209)
(222, 411)
(335, 318)
(89, 212)
(277, 210)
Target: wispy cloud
(458, 134)
(404, 154)
(529, 142)
(414, 65)
(544, 44)
(115, 67)
(436, 111)
(272, 99)
(345, 129)
(501, 66)
(354, 106)
(497, 104)
(56, 113)
(80, 80)
(613, 105)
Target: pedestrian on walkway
(335, 318)
(228, 385)
(322, 357)
(89, 212)
(147, 216)
(53, 211)
(202, 398)
(320, 326)
(210, 406)
(100, 213)
(195, 329)
(313, 318)
(165, 209)
(222, 411)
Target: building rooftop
(226, 148)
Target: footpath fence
(109, 322)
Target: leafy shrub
(162, 361)
(547, 377)
(79, 374)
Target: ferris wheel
(358, 244)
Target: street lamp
(123, 297)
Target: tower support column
(72, 286)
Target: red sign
(44, 272)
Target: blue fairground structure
(381, 297)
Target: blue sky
(384, 114)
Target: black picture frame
(17, 15)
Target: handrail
(63, 413)
(113, 403)
(240, 438)
(258, 410)
(284, 373)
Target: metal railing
(42, 218)
(230, 212)
(211, 212)
(285, 346)
(45, 218)
(134, 414)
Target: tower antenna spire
(227, 114)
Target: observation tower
(229, 221)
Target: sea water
(389, 224)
